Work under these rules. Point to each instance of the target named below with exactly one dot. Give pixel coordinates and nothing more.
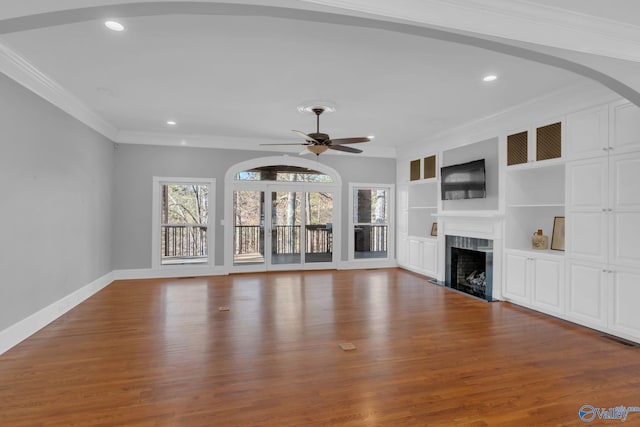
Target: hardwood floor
(160, 353)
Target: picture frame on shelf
(434, 229)
(557, 238)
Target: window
(283, 173)
(182, 213)
(371, 225)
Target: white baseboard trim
(168, 272)
(361, 264)
(28, 326)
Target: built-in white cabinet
(624, 316)
(516, 282)
(417, 206)
(423, 255)
(587, 209)
(587, 294)
(534, 280)
(613, 128)
(603, 249)
(603, 220)
(587, 133)
(624, 127)
(604, 298)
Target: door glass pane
(319, 227)
(285, 227)
(371, 222)
(185, 209)
(248, 227)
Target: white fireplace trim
(479, 224)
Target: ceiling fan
(318, 142)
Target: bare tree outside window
(185, 212)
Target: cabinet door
(625, 206)
(547, 282)
(587, 133)
(587, 184)
(586, 294)
(515, 286)
(429, 257)
(403, 243)
(624, 315)
(586, 235)
(587, 216)
(415, 254)
(625, 127)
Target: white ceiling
(238, 80)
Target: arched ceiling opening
(233, 74)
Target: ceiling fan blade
(289, 143)
(340, 141)
(305, 136)
(345, 149)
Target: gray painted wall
(487, 150)
(136, 165)
(56, 205)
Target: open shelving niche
(535, 195)
(422, 206)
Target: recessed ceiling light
(114, 25)
(371, 137)
(183, 142)
(171, 122)
(489, 78)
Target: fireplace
(469, 266)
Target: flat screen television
(463, 181)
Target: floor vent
(223, 308)
(347, 346)
(622, 341)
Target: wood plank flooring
(161, 353)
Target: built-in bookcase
(535, 196)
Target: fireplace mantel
(478, 224)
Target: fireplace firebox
(469, 266)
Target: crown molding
(234, 143)
(22, 71)
(519, 20)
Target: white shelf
(537, 205)
(537, 164)
(468, 214)
(545, 252)
(423, 207)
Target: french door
(281, 227)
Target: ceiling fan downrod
(318, 111)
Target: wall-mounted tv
(463, 181)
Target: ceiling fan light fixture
(317, 149)
(309, 107)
